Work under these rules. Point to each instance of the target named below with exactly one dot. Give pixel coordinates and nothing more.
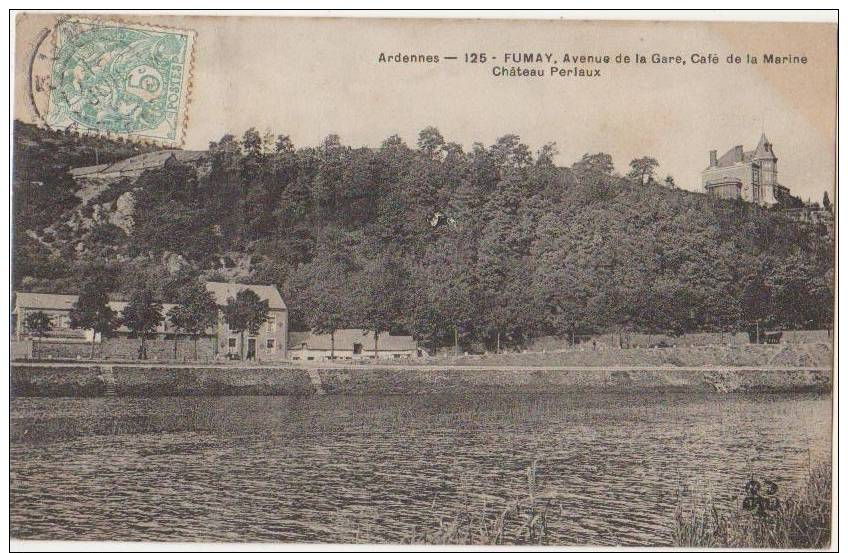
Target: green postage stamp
(120, 79)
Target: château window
(270, 343)
(231, 342)
(357, 349)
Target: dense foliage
(495, 244)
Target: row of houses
(273, 342)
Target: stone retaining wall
(87, 381)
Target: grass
(522, 522)
(800, 520)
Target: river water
(611, 468)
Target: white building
(351, 343)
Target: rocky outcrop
(122, 215)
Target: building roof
(153, 160)
(764, 149)
(221, 291)
(65, 302)
(224, 290)
(346, 337)
(733, 156)
(32, 300)
(738, 154)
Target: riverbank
(29, 380)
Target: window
(357, 349)
(296, 358)
(272, 324)
(310, 359)
(231, 343)
(270, 343)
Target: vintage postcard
(422, 280)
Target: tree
(327, 285)
(92, 312)
(669, 181)
(328, 314)
(38, 324)
(251, 142)
(642, 169)
(509, 152)
(594, 164)
(142, 315)
(826, 202)
(195, 311)
(546, 154)
(245, 313)
(383, 285)
(430, 141)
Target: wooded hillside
(425, 238)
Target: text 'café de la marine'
(746, 175)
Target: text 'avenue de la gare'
(527, 64)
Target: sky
(310, 77)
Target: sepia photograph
(422, 279)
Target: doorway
(251, 348)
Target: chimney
(738, 152)
(713, 158)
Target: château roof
(764, 149)
(738, 154)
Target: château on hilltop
(747, 175)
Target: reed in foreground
(522, 522)
(763, 520)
